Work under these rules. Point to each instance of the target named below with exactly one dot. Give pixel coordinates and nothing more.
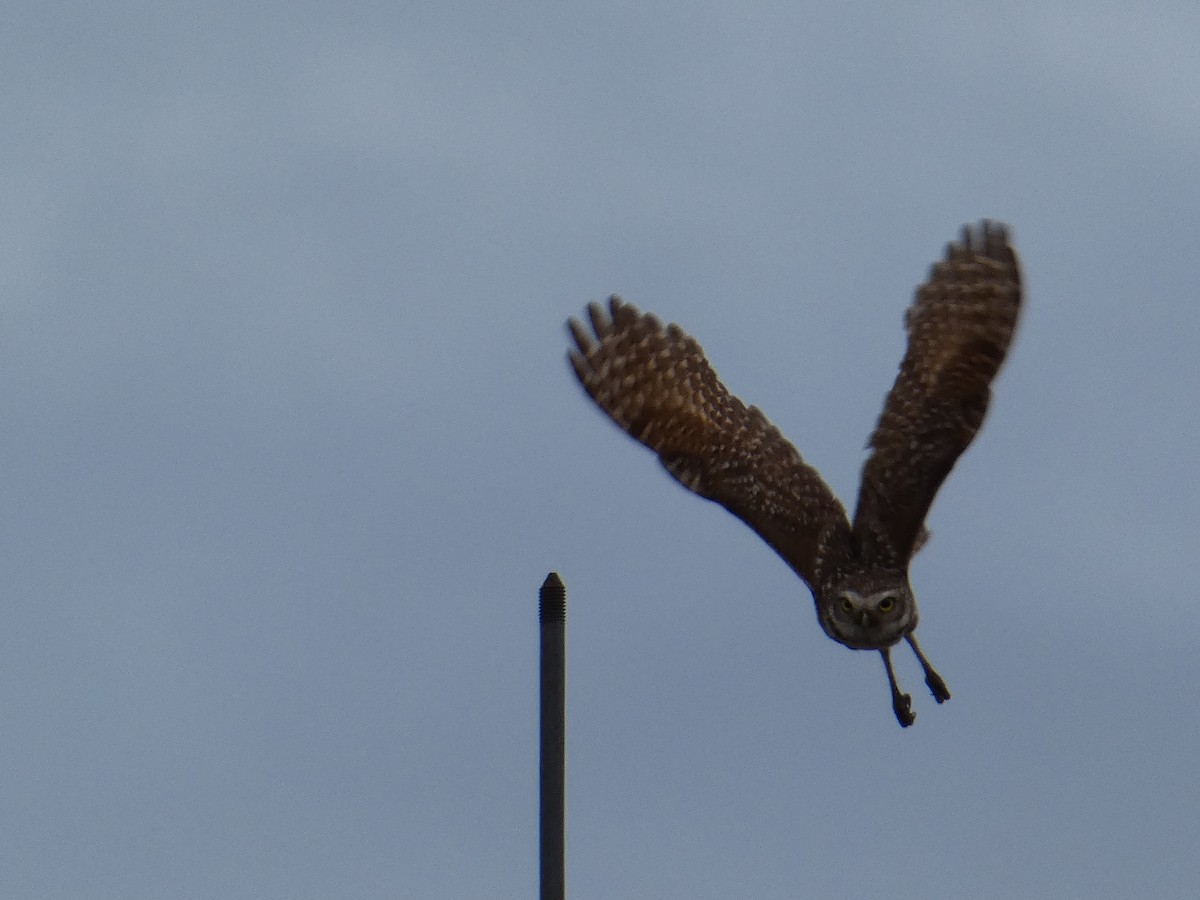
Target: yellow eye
(886, 604)
(847, 606)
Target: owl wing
(656, 384)
(959, 329)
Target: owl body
(657, 385)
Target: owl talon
(937, 686)
(901, 703)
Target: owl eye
(847, 606)
(886, 604)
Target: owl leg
(901, 703)
(936, 686)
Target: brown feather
(959, 329)
(657, 385)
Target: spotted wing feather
(959, 329)
(657, 385)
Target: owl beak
(864, 619)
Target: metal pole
(552, 614)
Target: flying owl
(657, 385)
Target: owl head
(869, 612)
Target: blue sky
(290, 444)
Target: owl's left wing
(656, 384)
(959, 329)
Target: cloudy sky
(289, 445)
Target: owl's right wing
(656, 384)
(960, 326)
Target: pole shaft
(552, 615)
